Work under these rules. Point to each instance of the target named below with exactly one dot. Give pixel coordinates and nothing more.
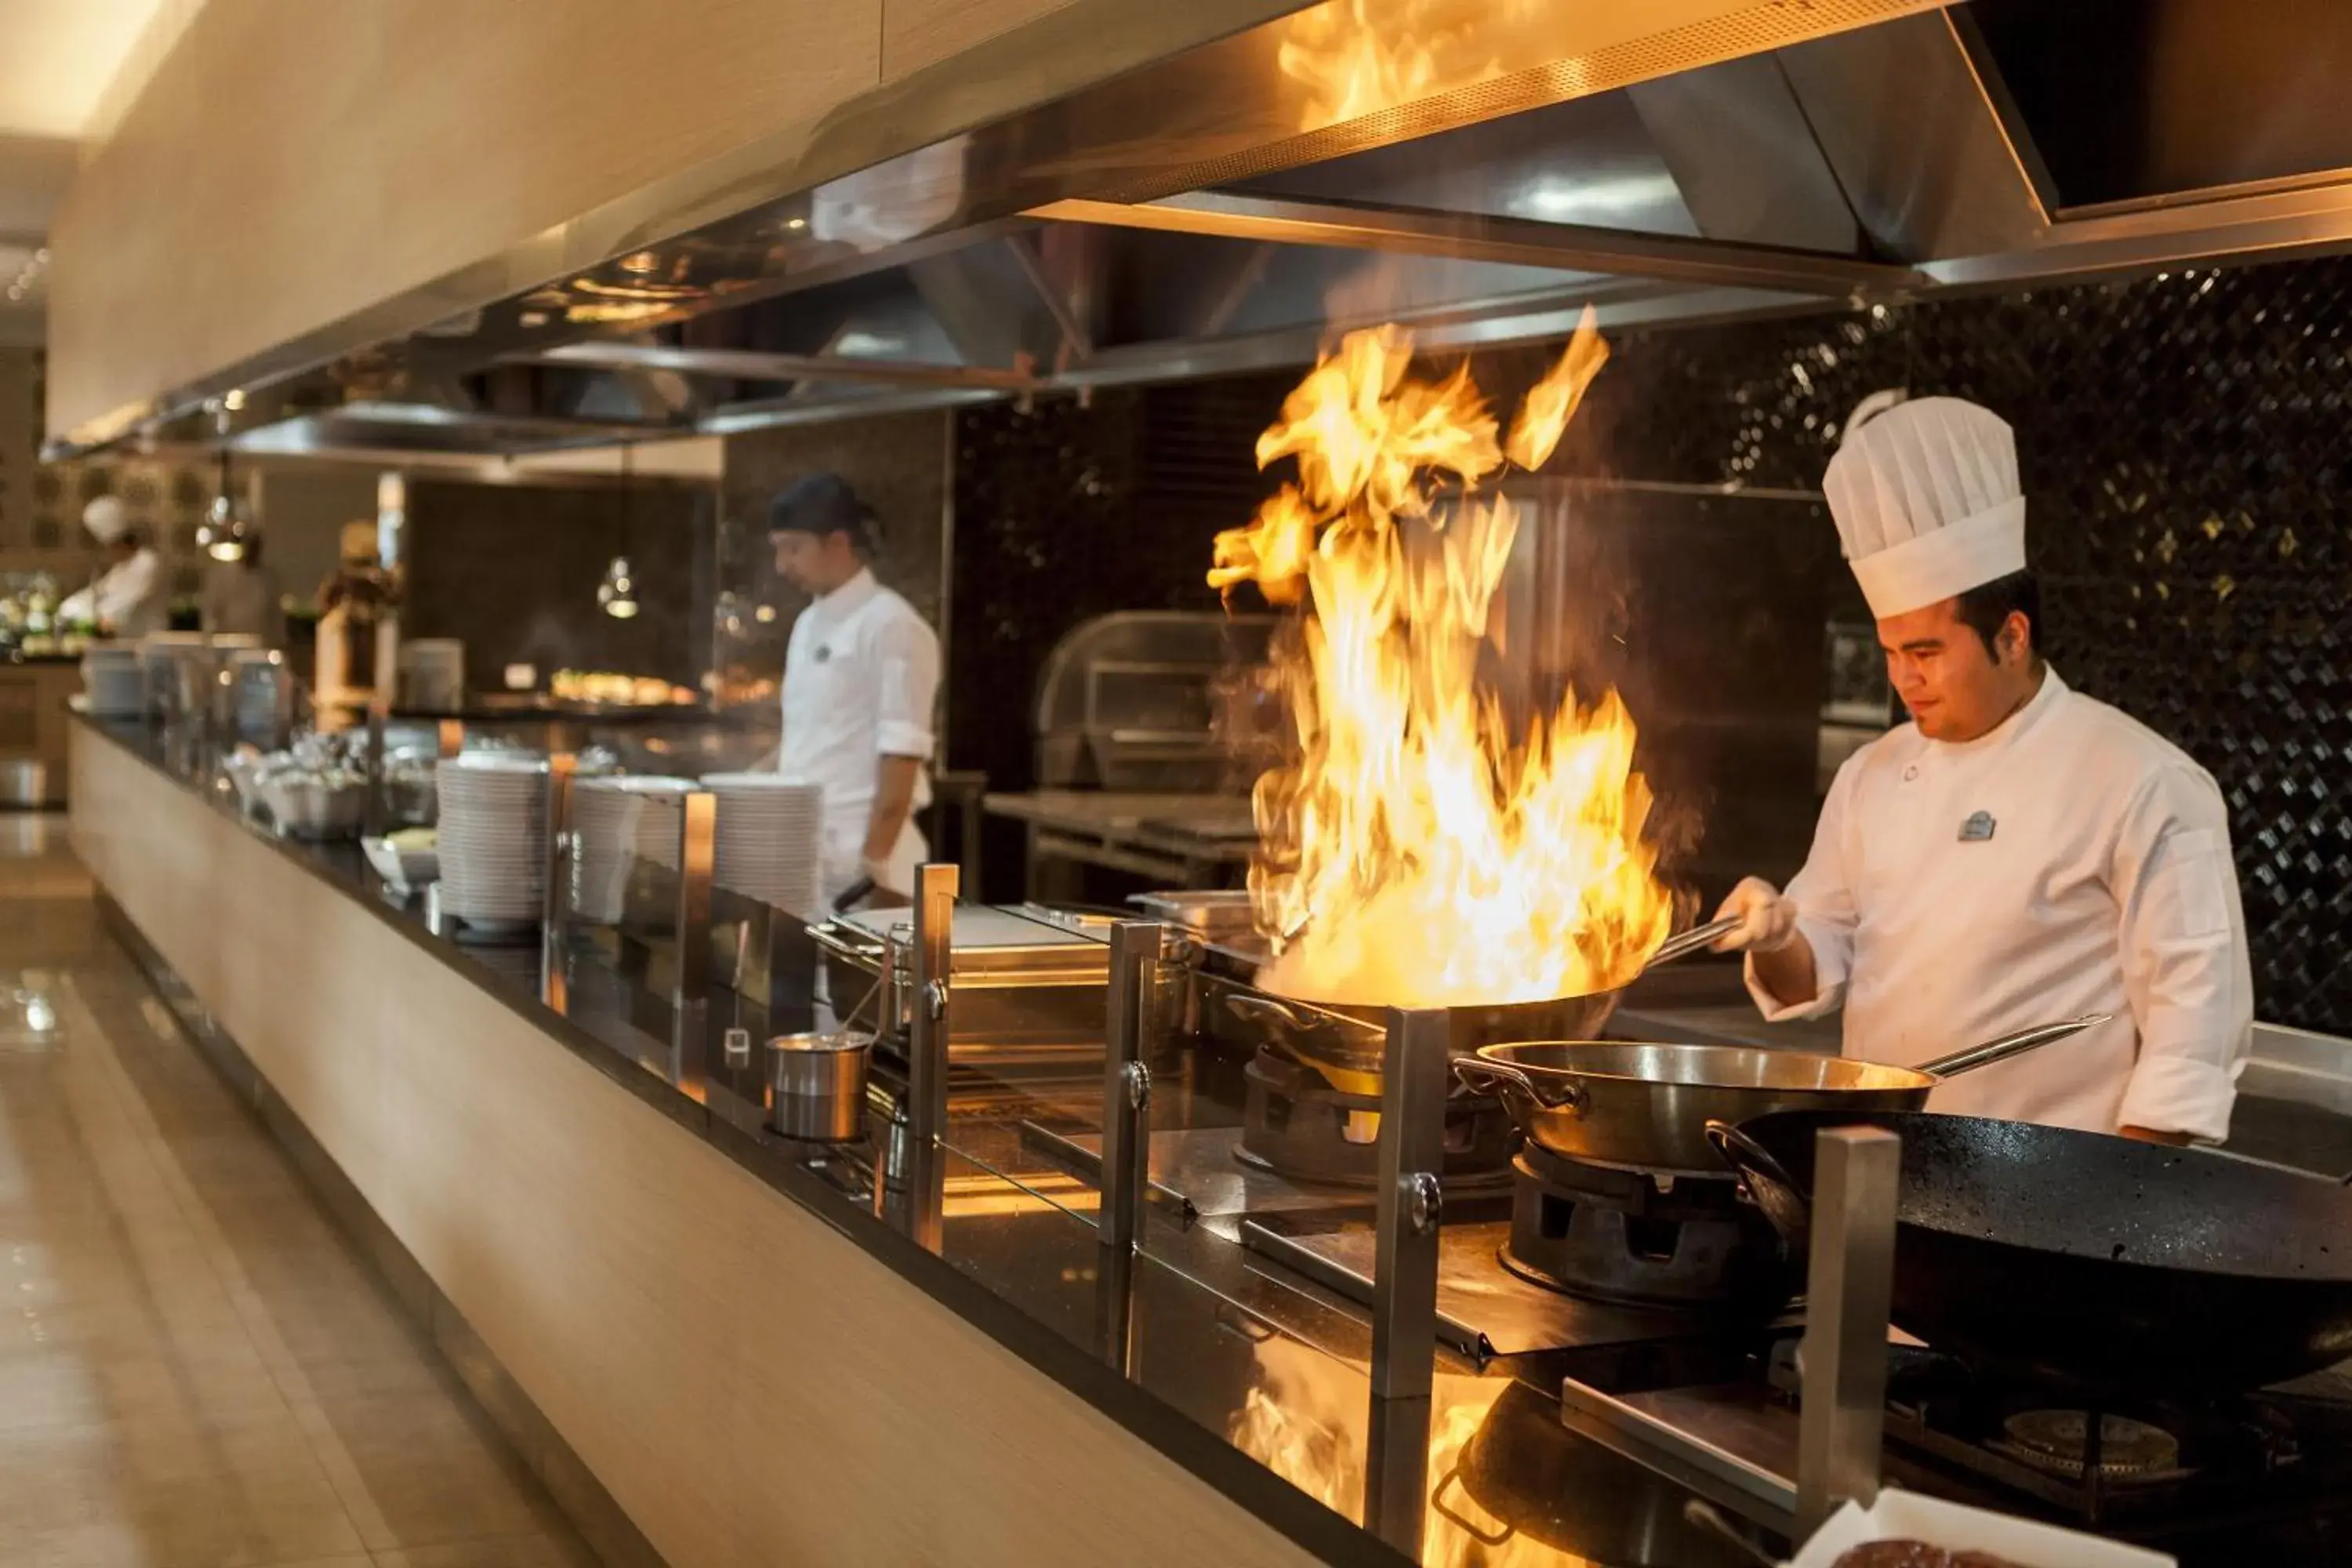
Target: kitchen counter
(684, 1296)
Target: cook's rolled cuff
(899, 738)
(2180, 1094)
(1833, 955)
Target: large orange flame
(1419, 851)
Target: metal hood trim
(1097, 100)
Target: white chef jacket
(861, 672)
(132, 596)
(2071, 862)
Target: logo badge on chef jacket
(1977, 827)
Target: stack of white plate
(619, 823)
(114, 682)
(769, 840)
(493, 839)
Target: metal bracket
(1414, 1081)
(1848, 1285)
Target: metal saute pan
(1629, 1102)
(1346, 1041)
(2113, 1267)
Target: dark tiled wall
(513, 570)
(1064, 513)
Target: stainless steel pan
(1346, 1041)
(1631, 1102)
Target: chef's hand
(875, 868)
(1768, 921)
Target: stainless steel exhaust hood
(1229, 207)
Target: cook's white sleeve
(124, 590)
(909, 654)
(2186, 973)
(1826, 910)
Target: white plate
(1899, 1515)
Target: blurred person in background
(130, 597)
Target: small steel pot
(818, 1085)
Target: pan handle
(2008, 1045)
(1484, 1537)
(1744, 1154)
(1691, 941)
(1479, 1072)
(1252, 1009)
(1711, 1518)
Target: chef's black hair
(1983, 609)
(823, 504)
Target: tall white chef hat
(1925, 498)
(107, 518)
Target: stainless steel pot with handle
(1632, 1103)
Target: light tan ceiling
(63, 70)
(58, 58)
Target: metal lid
(838, 1041)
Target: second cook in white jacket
(861, 678)
(2019, 853)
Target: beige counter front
(751, 1386)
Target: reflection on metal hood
(1480, 171)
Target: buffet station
(1339, 1214)
(1353, 1144)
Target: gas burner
(2058, 1441)
(1664, 1239)
(1296, 1124)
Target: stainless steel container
(817, 1085)
(1028, 983)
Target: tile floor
(196, 1370)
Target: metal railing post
(555, 901)
(1135, 947)
(1848, 1285)
(1415, 1076)
(927, 1035)
(698, 831)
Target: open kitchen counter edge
(696, 1487)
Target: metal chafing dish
(1029, 983)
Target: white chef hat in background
(1925, 498)
(107, 518)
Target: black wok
(2112, 1266)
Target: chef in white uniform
(861, 673)
(130, 598)
(2018, 853)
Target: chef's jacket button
(1910, 773)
